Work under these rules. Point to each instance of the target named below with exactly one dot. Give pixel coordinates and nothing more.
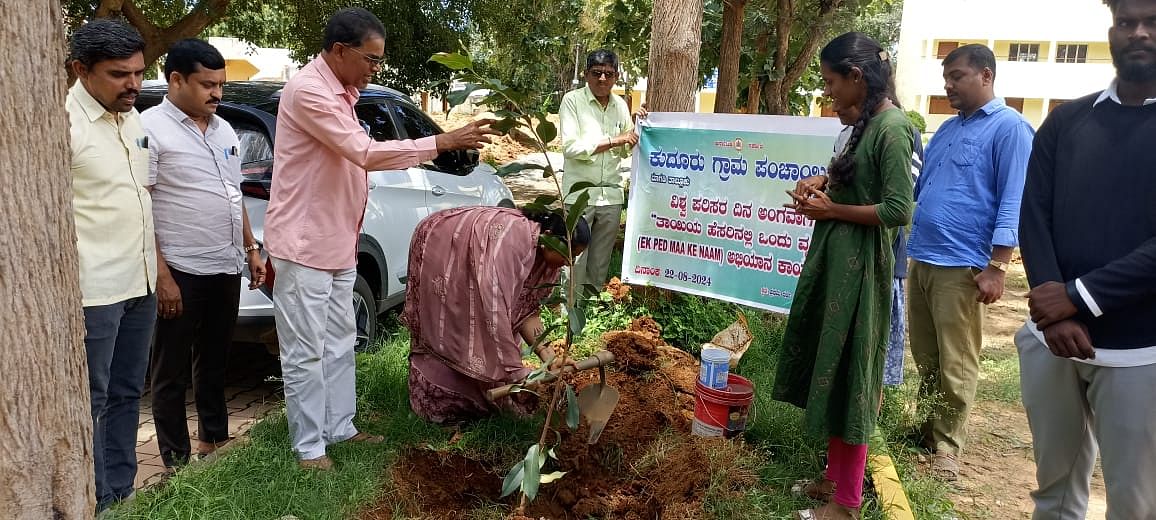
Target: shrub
(917, 120)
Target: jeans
(116, 340)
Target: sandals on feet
(366, 438)
(821, 489)
(945, 467)
(828, 511)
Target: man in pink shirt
(316, 207)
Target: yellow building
(1047, 51)
(703, 100)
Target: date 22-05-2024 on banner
(706, 212)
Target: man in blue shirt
(962, 236)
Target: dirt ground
(504, 148)
(642, 467)
(997, 467)
(525, 185)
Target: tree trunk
(45, 422)
(729, 52)
(758, 76)
(675, 41)
(777, 98)
(773, 96)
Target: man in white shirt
(203, 237)
(114, 238)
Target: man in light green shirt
(597, 134)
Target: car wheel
(364, 316)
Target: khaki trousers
(592, 266)
(946, 331)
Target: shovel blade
(597, 402)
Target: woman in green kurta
(836, 339)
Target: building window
(1072, 53)
(1024, 52)
(940, 105)
(945, 48)
(1016, 103)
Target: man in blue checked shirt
(963, 233)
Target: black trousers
(194, 348)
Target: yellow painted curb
(892, 499)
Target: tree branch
(108, 8)
(784, 19)
(802, 61)
(138, 19)
(158, 39)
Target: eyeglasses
(603, 74)
(375, 60)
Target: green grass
(999, 375)
(901, 414)
(260, 479)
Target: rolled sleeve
(1012, 152)
(1005, 237)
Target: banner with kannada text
(706, 214)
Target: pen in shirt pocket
(143, 142)
(230, 151)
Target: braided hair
(857, 50)
(553, 225)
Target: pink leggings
(846, 464)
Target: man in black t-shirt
(1088, 237)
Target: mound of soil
(645, 464)
(636, 349)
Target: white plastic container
(714, 367)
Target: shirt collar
(92, 108)
(331, 79)
(181, 116)
(1111, 93)
(589, 94)
(988, 108)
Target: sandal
(821, 489)
(366, 438)
(828, 511)
(945, 467)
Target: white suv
(398, 199)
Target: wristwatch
(252, 247)
(1002, 266)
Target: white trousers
(315, 328)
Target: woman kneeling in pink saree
(477, 277)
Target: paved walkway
(252, 392)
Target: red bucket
(722, 412)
